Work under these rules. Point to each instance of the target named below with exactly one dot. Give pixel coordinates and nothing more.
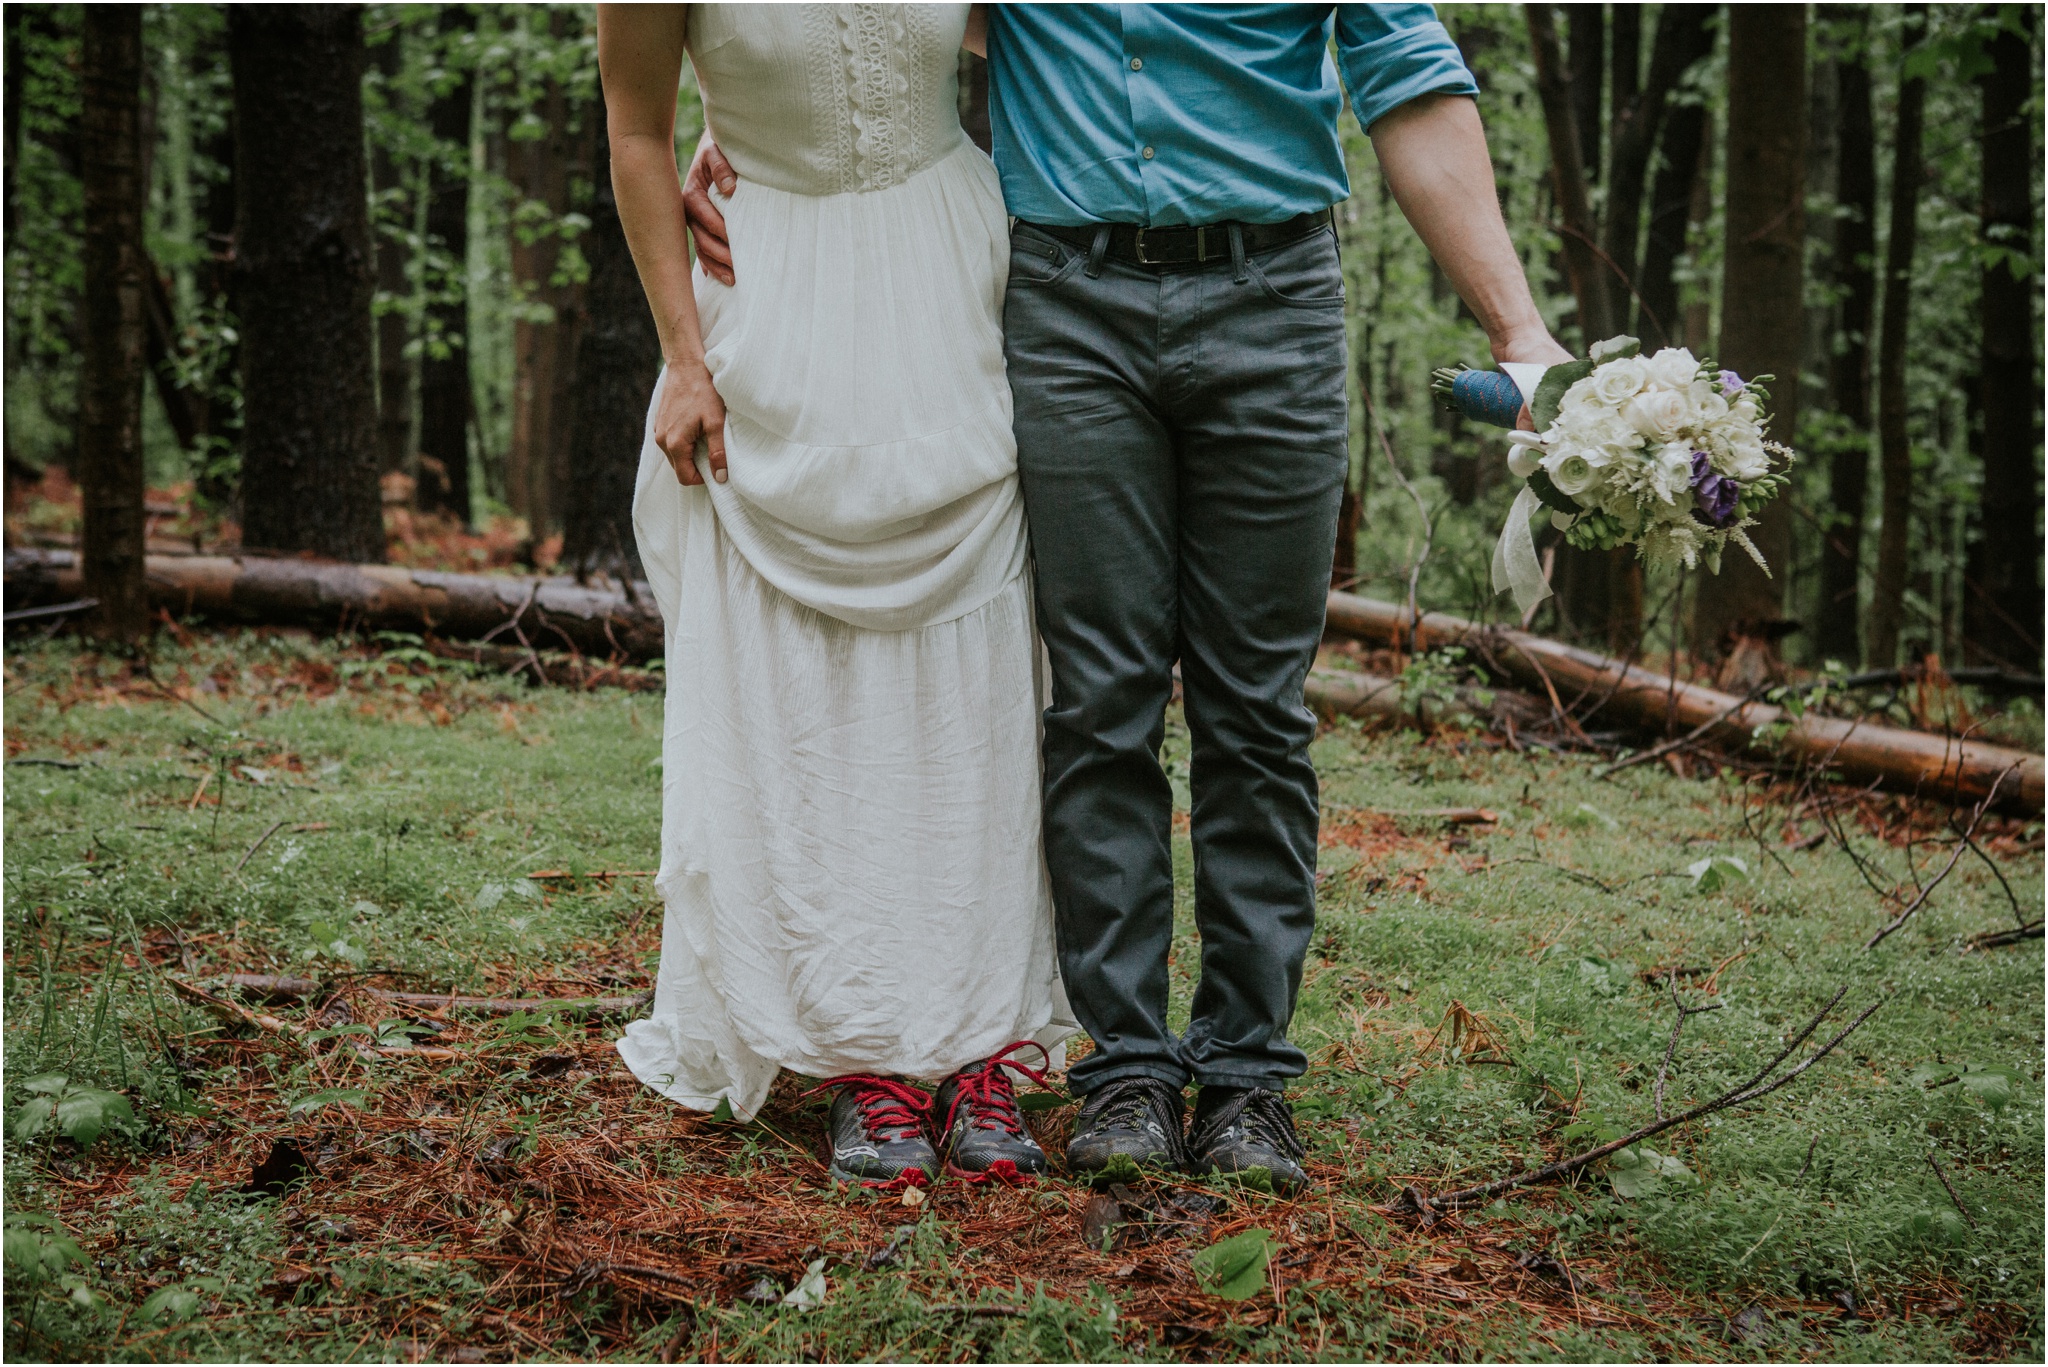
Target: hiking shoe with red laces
(879, 1135)
(983, 1133)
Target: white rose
(1659, 415)
(1746, 461)
(1615, 383)
(1744, 409)
(1572, 474)
(1707, 401)
(1671, 470)
(1672, 368)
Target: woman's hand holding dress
(690, 415)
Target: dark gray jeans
(1183, 442)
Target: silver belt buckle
(1138, 246)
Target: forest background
(1877, 166)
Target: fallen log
(1942, 768)
(1341, 693)
(578, 1008)
(275, 591)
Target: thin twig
(1422, 511)
(1961, 1209)
(250, 853)
(1994, 939)
(1753, 1090)
(1956, 855)
(1684, 1013)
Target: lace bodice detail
(828, 99)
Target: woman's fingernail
(718, 475)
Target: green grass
(1470, 993)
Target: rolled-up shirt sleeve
(1391, 54)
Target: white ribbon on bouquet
(1515, 565)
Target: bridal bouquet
(1663, 453)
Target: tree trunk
(445, 398)
(1895, 452)
(540, 176)
(1589, 278)
(1599, 593)
(1585, 69)
(2002, 607)
(392, 226)
(1684, 138)
(617, 359)
(1837, 634)
(302, 263)
(110, 373)
(1739, 613)
(1682, 40)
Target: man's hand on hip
(707, 224)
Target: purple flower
(1713, 495)
(1731, 384)
(1715, 498)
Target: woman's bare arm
(640, 59)
(976, 40)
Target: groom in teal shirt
(1174, 334)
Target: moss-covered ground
(1482, 996)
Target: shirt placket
(1140, 46)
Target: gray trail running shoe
(878, 1128)
(983, 1132)
(1247, 1132)
(1127, 1126)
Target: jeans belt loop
(1237, 266)
(1100, 248)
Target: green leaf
(1716, 871)
(49, 1084)
(84, 1112)
(1935, 1226)
(1992, 1086)
(1042, 1101)
(724, 1109)
(1551, 496)
(1606, 977)
(32, 1117)
(1235, 1268)
(489, 895)
(354, 1097)
(171, 1303)
(1551, 388)
(1640, 1171)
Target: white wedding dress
(850, 812)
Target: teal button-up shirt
(1190, 113)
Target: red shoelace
(888, 1109)
(990, 1097)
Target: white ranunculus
(1660, 415)
(1672, 368)
(1615, 383)
(1522, 460)
(1613, 346)
(1572, 474)
(1671, 470)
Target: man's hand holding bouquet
(1664, 453)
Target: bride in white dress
(827, 510)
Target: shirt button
(1137, 63)
(1148, 154)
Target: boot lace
(1127, 1102)
(988, 1095)
(1266, 1118)
(889, 1110)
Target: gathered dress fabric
(850, 860)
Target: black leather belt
(1187, 246)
